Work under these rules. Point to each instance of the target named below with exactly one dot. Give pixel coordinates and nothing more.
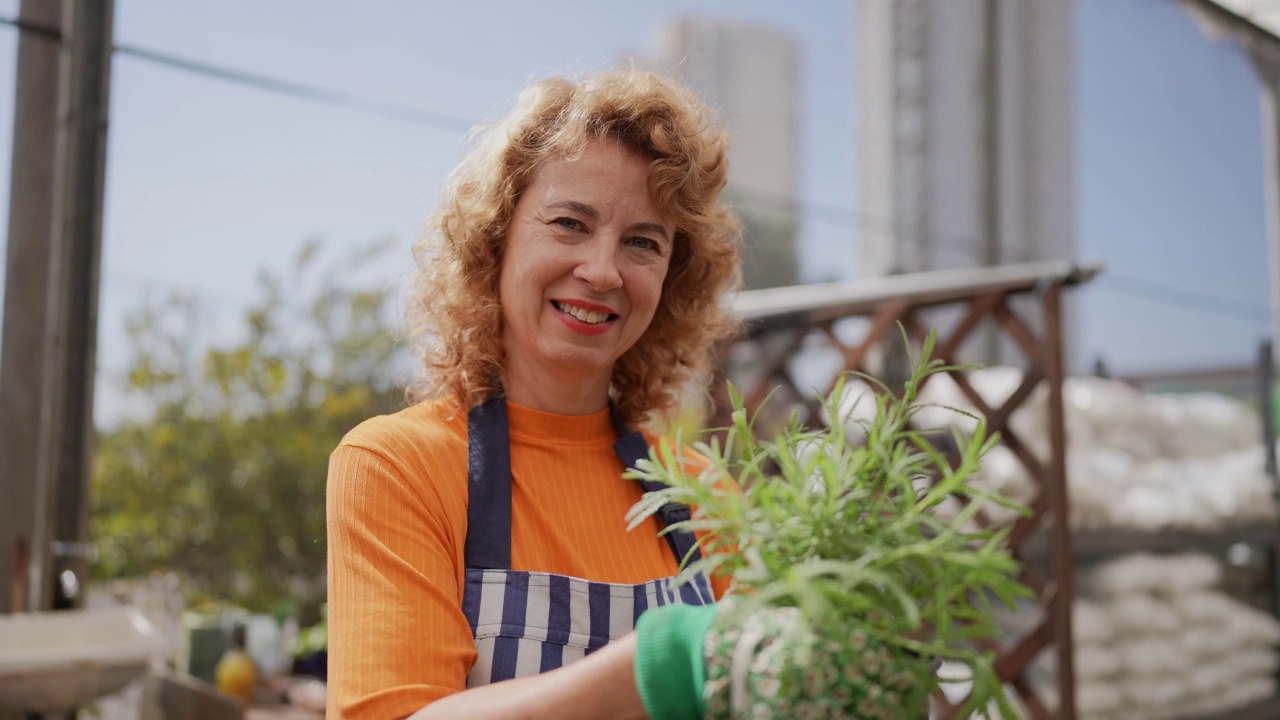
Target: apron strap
(631, 448)
(488, 545)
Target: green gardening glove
(670, 672)
(721, 664)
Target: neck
(562, 393)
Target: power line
(813, 210)
(33, 28)
(1134, 286)
(1174, 296)
(1218, 302)
(420, 116)
(302, 91)
(822, 212)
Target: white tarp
(1255, 24)
(1263, 13)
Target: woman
(571, 286)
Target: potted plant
(843, 543)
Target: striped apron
(525, 623)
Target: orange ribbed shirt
(397, 524)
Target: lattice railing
(780, 323)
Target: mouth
(595, 315)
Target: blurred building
(750, 74)
(966, 135)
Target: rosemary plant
(849, 534)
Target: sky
(208, 182)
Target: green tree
(222, 480)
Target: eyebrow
(589, 212)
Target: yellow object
(236, 675)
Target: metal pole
(1100, 368)
(1267, 68)
(27, 270)
(1269, 74)
(1266, 410)
(70, 342)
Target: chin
(583, 360)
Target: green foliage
(850, 534)
(223, 478)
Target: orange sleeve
(397, 637)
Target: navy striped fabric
(527, 623)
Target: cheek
(516, 272)
(648, 292)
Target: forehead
(605, 171)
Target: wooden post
(51, 293)
(1062, 559)
(26, 286)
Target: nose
(598, 264)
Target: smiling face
(582, 271)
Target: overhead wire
(33, 28)
(302, 91)
(1193, 300)
(1170, 295)
(396, 111)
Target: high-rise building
(966, 134)
(750, 75)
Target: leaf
(650, 504)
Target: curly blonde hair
(455, 318)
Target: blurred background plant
(222, 478)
